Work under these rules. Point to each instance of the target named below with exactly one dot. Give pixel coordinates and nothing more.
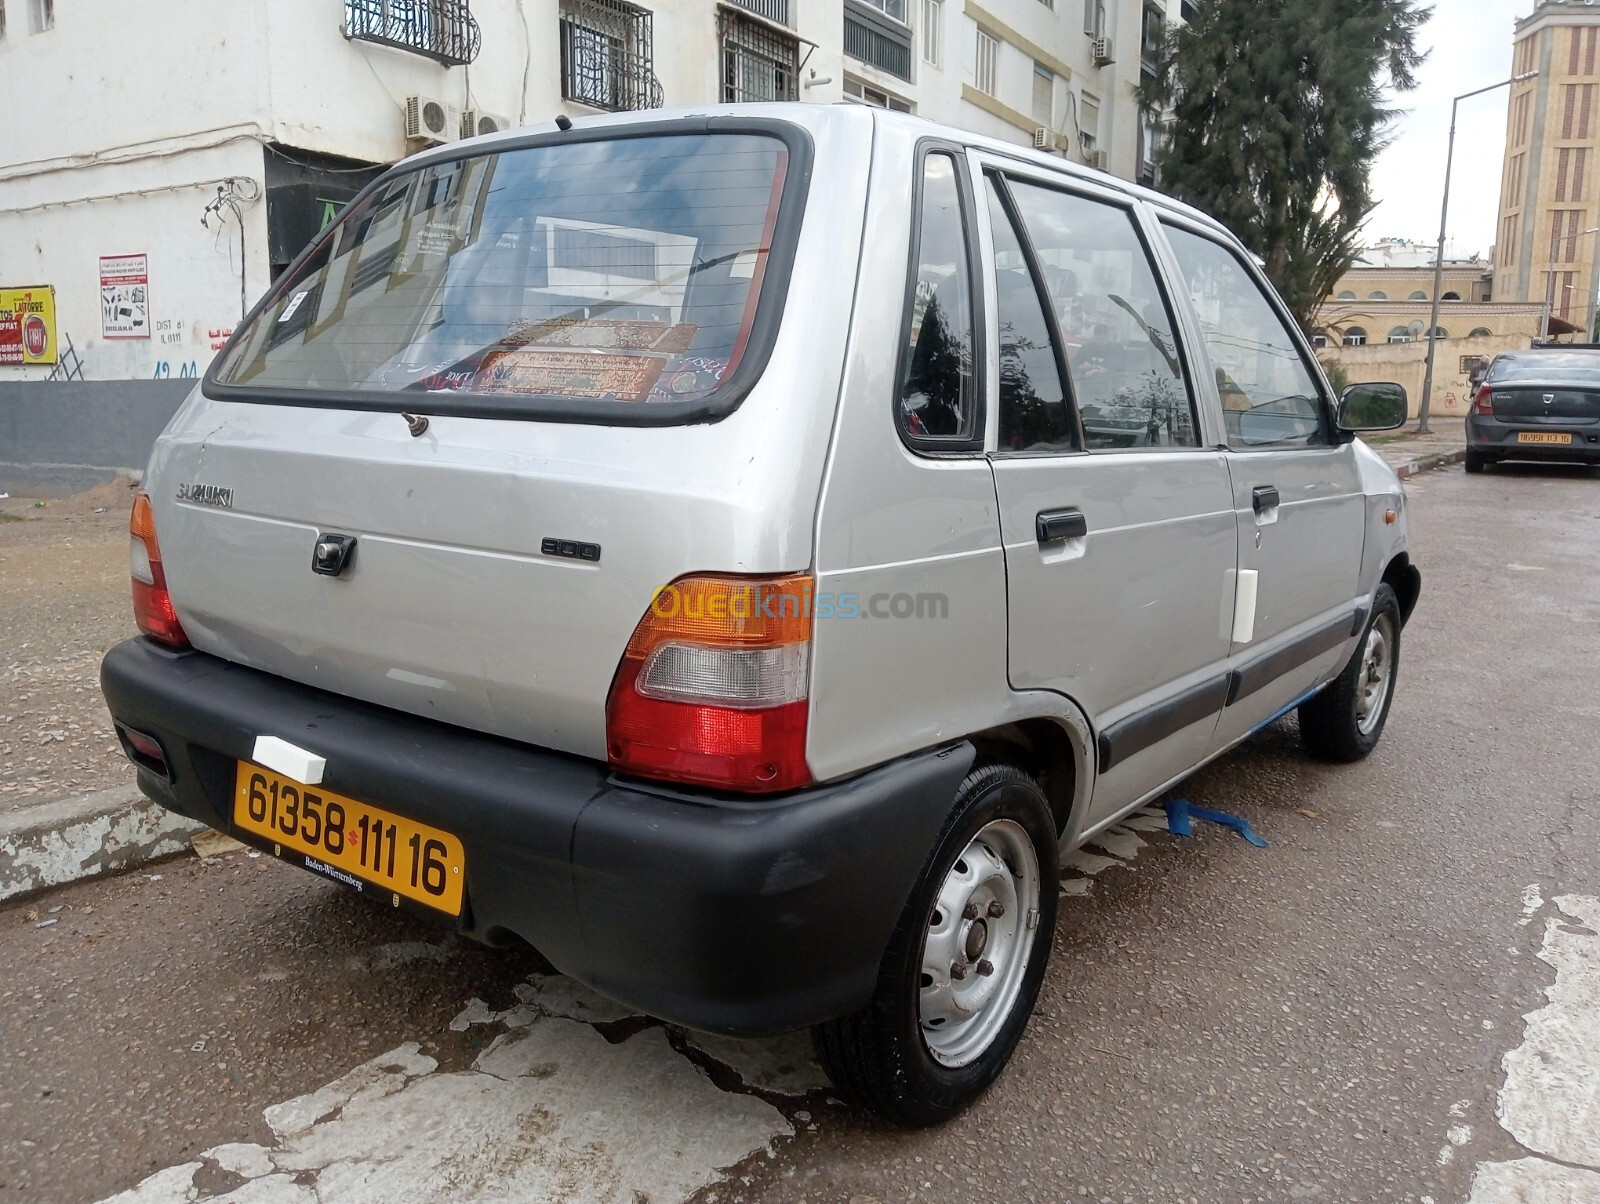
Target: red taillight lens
(712, 689)
(1483, 403)
(152, 605)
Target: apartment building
(155, 176)
(1548, 238)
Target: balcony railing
(442, 30)
(776, 11)
(877, 40)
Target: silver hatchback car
(736, 551)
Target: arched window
(1439, 332)
(1354, 336)
(1450, 296)
(1400, 334)
(1319, 338)
(1377, 294)
(1480, 332)
(1347, 295)
(1419, 295)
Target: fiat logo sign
(35, 336)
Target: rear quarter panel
(891, 525)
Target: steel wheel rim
(1377, 674)
(978, 939)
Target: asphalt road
(1324, 1019)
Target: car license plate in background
(351, 841)
(1543, 437)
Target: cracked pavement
(1398, 1000)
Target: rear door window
(1116, 327)
(1035, 414)
(571, 278)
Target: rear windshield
(1547, 365)
(587, 275)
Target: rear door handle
(1263, 496)
(1053, 525)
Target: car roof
(818, 119)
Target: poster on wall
(28, 325)
(125, 296)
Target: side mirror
(1380, 406)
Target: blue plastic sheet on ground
(1180, 811)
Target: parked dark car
(1539, 404)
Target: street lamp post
(1438, 255)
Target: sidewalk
(1409, 453)
(68, 805)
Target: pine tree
(1276, 112)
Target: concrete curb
(85, 837)
(1423, 463)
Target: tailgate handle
(1264, 496)
(1053, 525)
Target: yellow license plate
(352, 842)
(1543, 437)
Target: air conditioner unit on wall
(1105, 52)
(475, 122)
(431, 122)
(1097, 159)
(1041, 138)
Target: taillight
(713, 687)
(152, 605)
(1483, 402)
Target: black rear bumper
(1497, 438)
(735, 916)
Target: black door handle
(1263, 496)
(1052, 525)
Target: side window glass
(1034, 413)
(937, 397)
(1115, 326)
(1269, 397)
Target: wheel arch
(1405, 579)
(1054, 753)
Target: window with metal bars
(772, 10)
(443, 30)
(883, 41)
(758, 63)
(606, 55)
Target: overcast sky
(1470, 46)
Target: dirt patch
(64, 599)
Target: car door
(1116, 518)
(1296, 491)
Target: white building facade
(156, 175)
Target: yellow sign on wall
(28, 325)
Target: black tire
(1334, 724)
(1475, 462)
(879, 1056)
